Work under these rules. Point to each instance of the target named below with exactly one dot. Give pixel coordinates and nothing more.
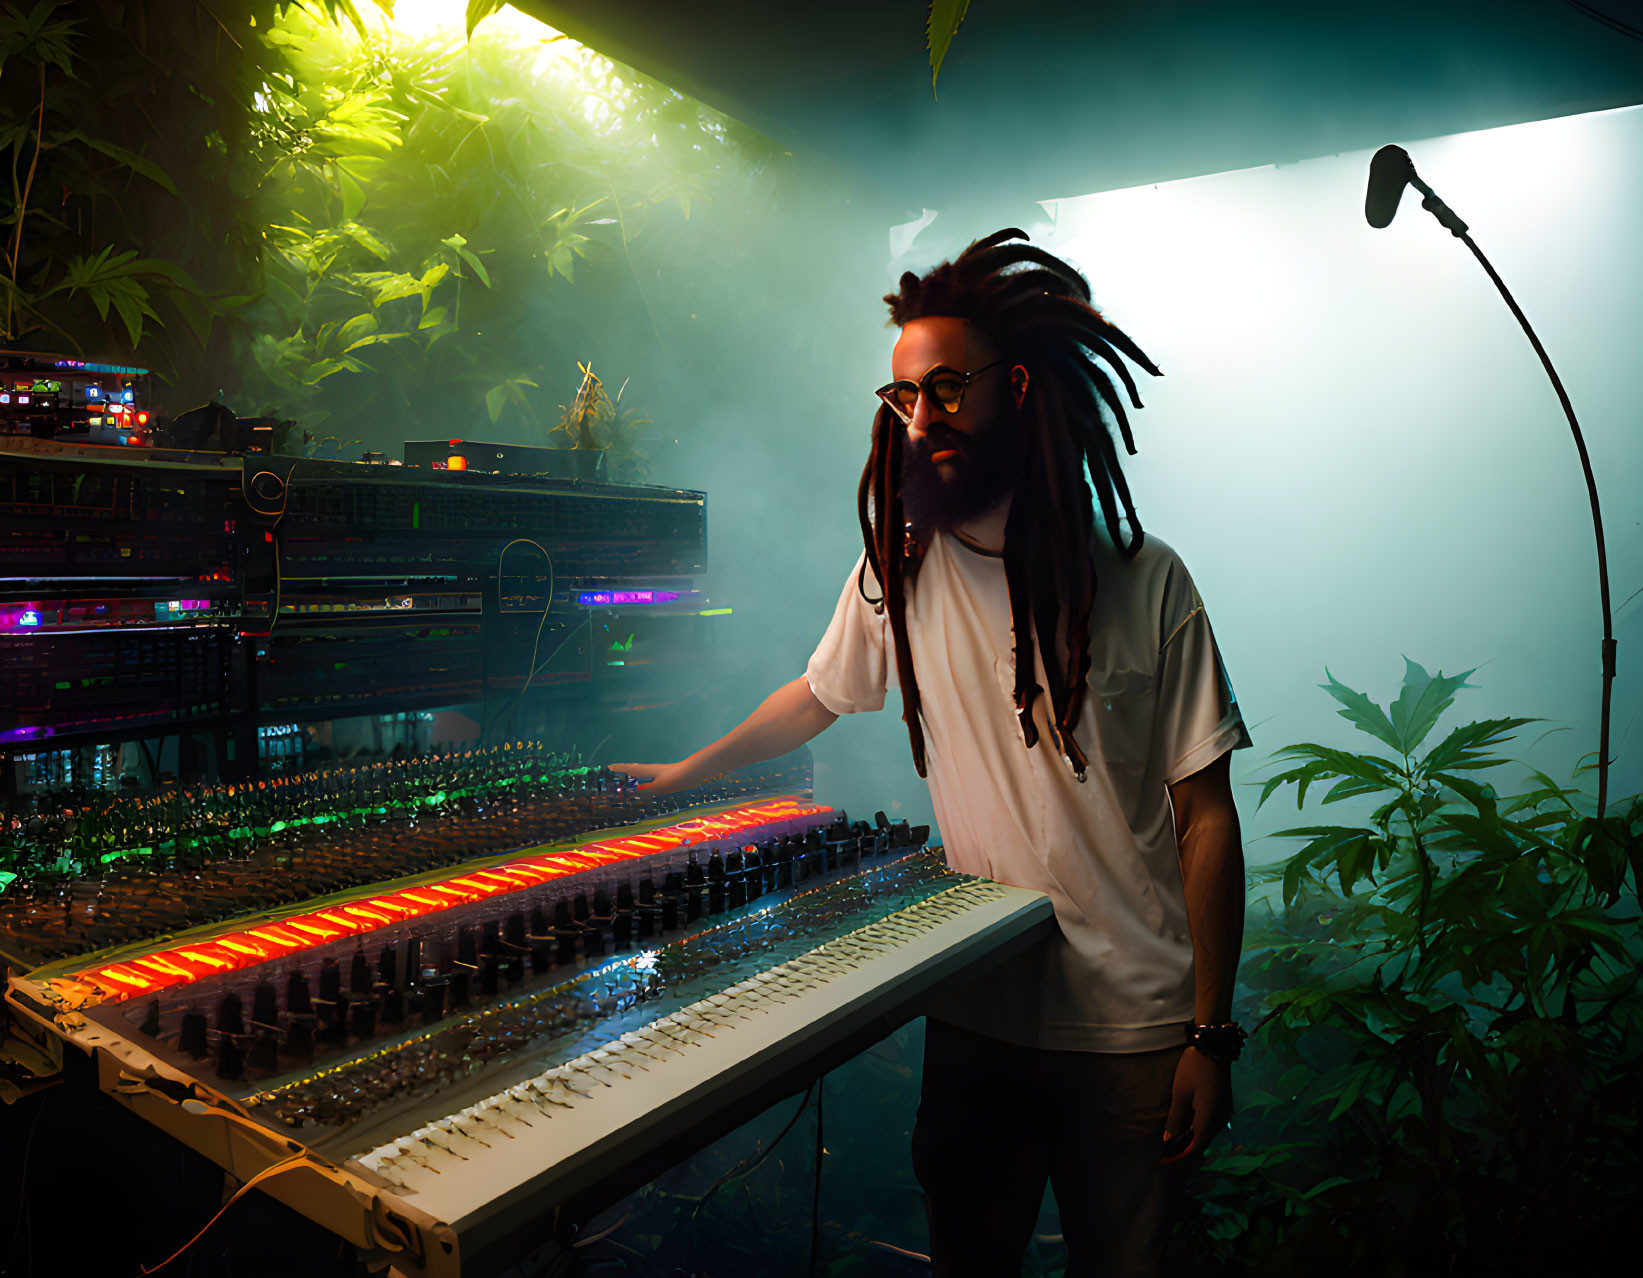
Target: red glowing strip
(186, 964)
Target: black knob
(735, 879)
(433, 1000)
(230, 1015)
(265, 1004)
(330, 981)
(386, 966)
(336, 1030)
(298, 1001)
(191, 1040)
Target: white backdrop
(1357, 453)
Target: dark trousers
(995, 1121)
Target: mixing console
(519, 1026)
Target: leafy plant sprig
(1450, 1016)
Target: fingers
(1178, 1135)
(1180, 1147)
(1200, 1134)
(1196, 1137)
(644, 773)
(1176, 1152)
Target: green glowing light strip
(323, 818)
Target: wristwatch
(1218, 1042)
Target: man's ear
(1018, 383)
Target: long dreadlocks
(1036, 310)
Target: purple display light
(608, 598)
(20, 619)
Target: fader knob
(191, 1039)
(265, 1009)
(230, 1015)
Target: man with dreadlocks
(1066, 700)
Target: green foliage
(595, 420)
(312, 213)
(946, 16)
(432, 204)
(1450, 1019)
(109, 220)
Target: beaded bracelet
(1218, 1042)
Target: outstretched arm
(788, 718)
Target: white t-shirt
(1118, 975)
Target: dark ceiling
(1042, 98)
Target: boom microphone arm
(1389, 171)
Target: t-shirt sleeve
(848, 671)
(1198, 718)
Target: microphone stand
(1438, 209)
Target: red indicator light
(235, 950)
(268, 536)
(453, 442)
(455, 462)
(142, 419)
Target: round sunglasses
(941, 385)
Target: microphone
(1389, 172)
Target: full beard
(977, 479)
